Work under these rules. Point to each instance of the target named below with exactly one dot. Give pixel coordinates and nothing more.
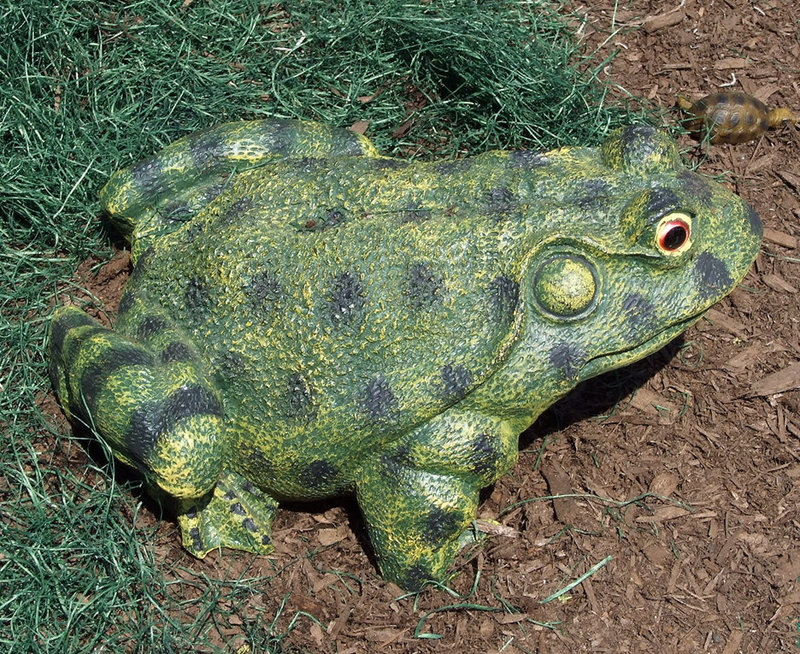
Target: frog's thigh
(157, 412)
(236, 515)
(414, 519)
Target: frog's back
(336, 319)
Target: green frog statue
(307, 318)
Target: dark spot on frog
(150, 326)
(347, 298)
(591, 193)
(60, 327)
(265, 539)
(229, 495)
(639, 141)
(712, 276)
(455, 382)
(249, 524)
(206, 149)
(179, 213)
(192, 512)
(416, 576)
(319, 473)
(261, 466)
(441, 524)
(237, 508)
(196, 295)
(149, 176)
(397, 458)
(306, 165)
(567, 359)
(152, 419)
(500, 201)
(483, 456)
(299, 397)
(378, 399)
(755, 222)
(457, 167)
(639, 312)
(197, 541)
(144, 261)
(263, 291)
(414, 214)
(660, 202)
(281, 135)
(528, 159)
(96, 375)
(422, 286)
(212, 192)
(503, 296)
(126, 302)
(695, 185)
(195, 230)
(176, 352)
(379, 163)
(231, 363)
(235, 211)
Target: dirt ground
(685, 468)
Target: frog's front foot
(236, 515)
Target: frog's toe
(236, 515)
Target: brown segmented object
(732, 117)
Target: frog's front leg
(420, 497)
(150, 400)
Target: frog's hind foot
(236, 515)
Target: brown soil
(686, 467)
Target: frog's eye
(674, 233)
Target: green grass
(88, 87)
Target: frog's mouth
(605, 362)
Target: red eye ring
(674, 234)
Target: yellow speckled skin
(307, 318)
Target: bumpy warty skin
(307, 318)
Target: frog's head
(624, 274)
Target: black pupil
(674, 238)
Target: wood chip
(790, 178)
(664, 513)
(664, 484)
(650, 402)
(779, 284)
(748, 356)
(780, 238)
(726, 322)
(662, 21)
(731, 63)
(778, 382)
(558, 483)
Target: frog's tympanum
(307, 318)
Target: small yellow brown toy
(732, 117)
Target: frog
(307, 318)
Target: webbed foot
(236, 515)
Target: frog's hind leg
(155, 407)
(236, 515)
(420, 498)
(159, 194)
